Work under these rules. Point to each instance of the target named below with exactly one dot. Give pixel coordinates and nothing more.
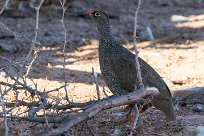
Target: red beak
(89, 13)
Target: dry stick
(150, 33)
(32, 92)
(11, 86)
(136, 48)
(94, 74)
(137, 65)
(33, 49)
(37, 119)
(64, 47)
(104, 91)
(28, 88)
(11, 63)
(14, 105)
(80, 106)
(4, 6)
(4, 110)
(101, 105)
(34, 41)
(17, 35)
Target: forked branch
(94, 109)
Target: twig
(81, 106)
(17, 35)
(43, 104)
(11, 86)
(104, 91)
(4, 110)
(150, 33)
(136, 48)
(64, 47)
(37, 119)
(104, 104)
(94, 74)
(11, 63)
(4, 6)
(137, 65)
(33, 49)
(136, 119)
(28, 88)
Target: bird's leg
(135, 117)
(137, 113)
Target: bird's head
(102, 21)
(98, 16)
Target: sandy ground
(177, 55)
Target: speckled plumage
(117, 66)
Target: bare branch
(136, 48)
(10, 63)
(4, 110)
(33, 49)
(64, 47)
(17, 35)
(104, 104)
(37, 119)
(104, 91)
(28, 88)
(44, 103)
(137, 64)
(4, 6)
(82, 106)
(94, 74)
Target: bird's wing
(163, 101)
(124, 69)
(153, 79)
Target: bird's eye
(97, 14)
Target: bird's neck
(105, 33)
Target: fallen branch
(189, 96)
(50, 106)
(187, 91)
(104, 104)
(32, 91)
(37, 119)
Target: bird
(117, 65)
